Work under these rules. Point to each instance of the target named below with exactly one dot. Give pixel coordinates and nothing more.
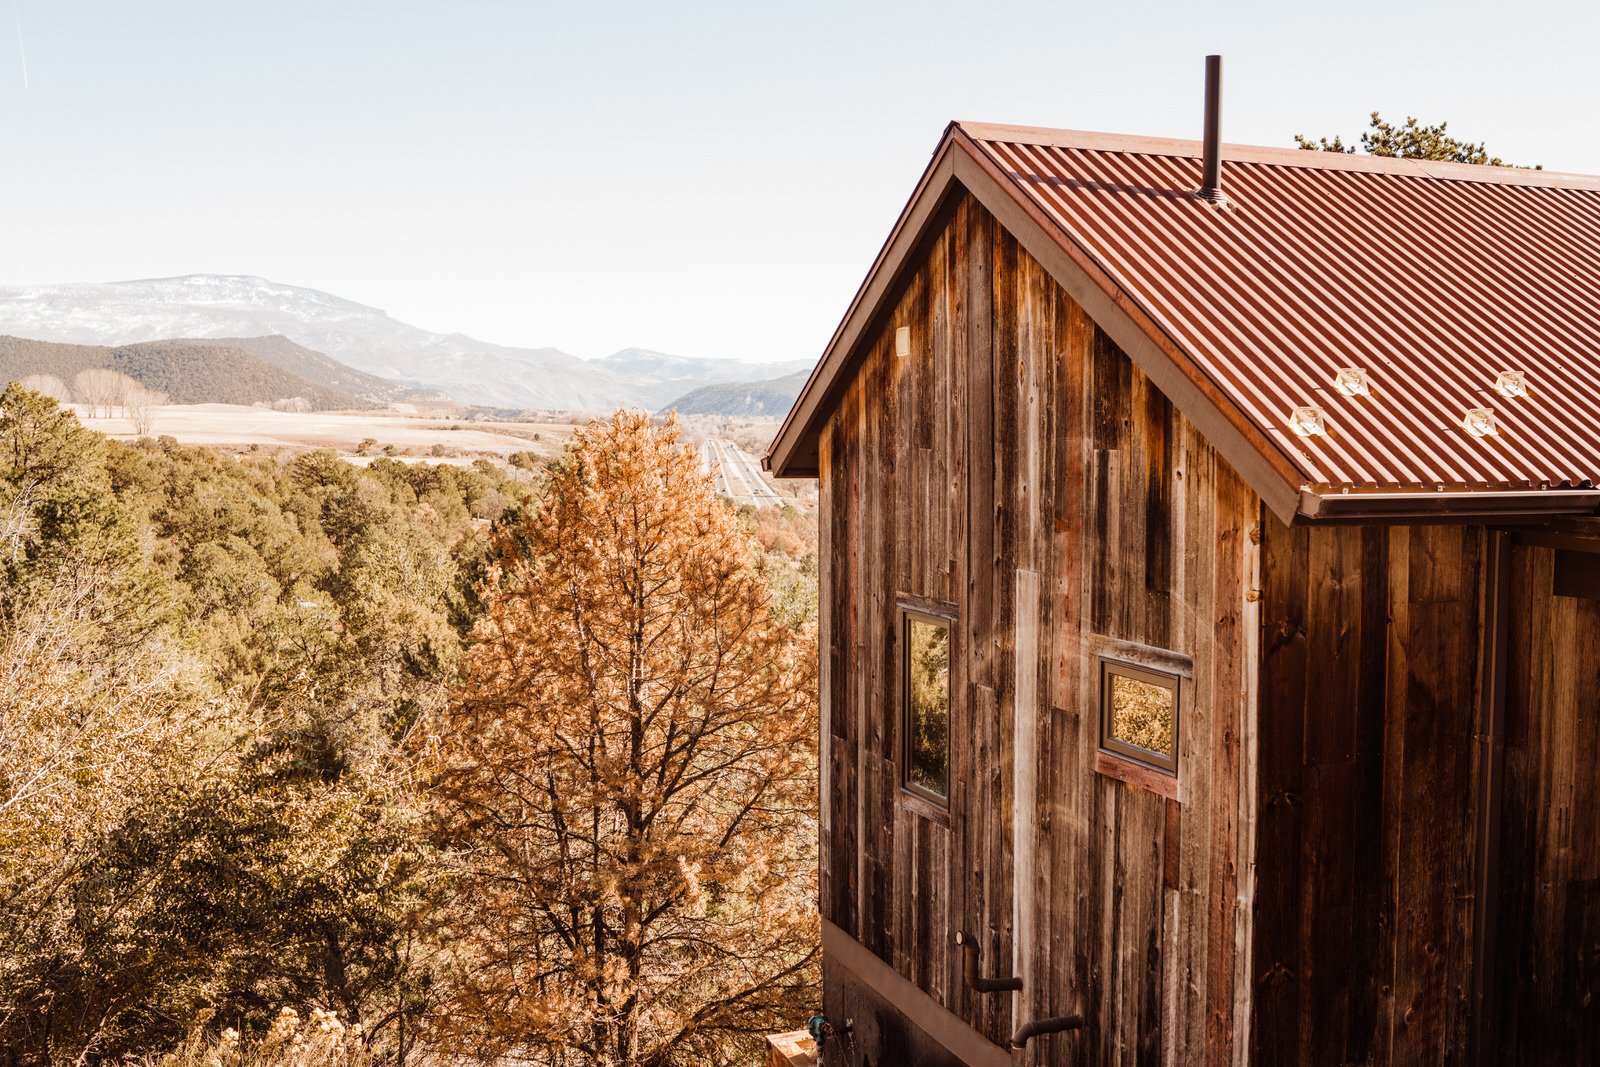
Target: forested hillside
(266, 723)
(773, 397)
(187, 371)
(315, 367)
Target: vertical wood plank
(1203, 569)
(826, 668)
(1235, 510)
(1025, 757)
(1247, 803)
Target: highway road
(738, 474)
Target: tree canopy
(1408, 140)
(211, 673)
(627, 776)
(505, 758)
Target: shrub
(321, 1041)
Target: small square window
(925, 725)
(1139, 714)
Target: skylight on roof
(1352, 381)
(1511, 384)
(1479, 422)
(1307, 421)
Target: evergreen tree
(1409, 140)
(212, 672)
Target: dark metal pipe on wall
(1040, 1027)
(969, 969)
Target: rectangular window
(926, 721)
(1139, 714)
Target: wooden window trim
(1124, 757)
(925, 805)
(915, 798)
(1151, 658)
(937, 610)
(1141, 775)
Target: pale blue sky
(710, 179)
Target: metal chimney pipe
(1211, 178)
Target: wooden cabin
(1210, 612)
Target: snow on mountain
(466, 369)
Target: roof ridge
(1090, 140)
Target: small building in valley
(1210, 612)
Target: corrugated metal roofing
(1431, 279)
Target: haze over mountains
(248, 310)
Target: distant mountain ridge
(316, 367)
(188, 371)
(363, 338)
(774, 397)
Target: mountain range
(370, 344)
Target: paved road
(738, 474)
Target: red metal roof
(1428, 279)
(1432, 279)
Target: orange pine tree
(627, 776)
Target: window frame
(925, 613)
(1160, 762)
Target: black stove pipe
(1211, 175)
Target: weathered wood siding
(1019, 468)
(1368, 700)
(1547, 965)
(1372, 801)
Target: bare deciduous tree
(102, 390)
(140, 404)
(627, 777)
(47, 385)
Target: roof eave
(1487, 506)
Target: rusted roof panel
(1430, 279)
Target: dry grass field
(384, 433)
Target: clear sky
(709, 179)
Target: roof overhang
(1534, 505)
(960, 165)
